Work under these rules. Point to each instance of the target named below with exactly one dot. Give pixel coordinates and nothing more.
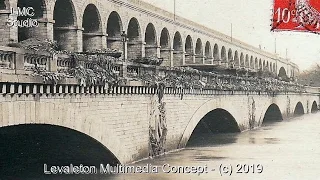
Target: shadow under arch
(314, 107)
(26, 148)
(298, 110)
(272, 114)
(220, 119)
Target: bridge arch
(64, 15)
(242, 63)
(267, 65)
(91, 23)
(223, 54)
(67, 146)
(298, 110)
(236, 59)
(199, 52)
(210, 110)
(314, 107)
(247, 62)
(256, 63)
(272, 114)
(178, 49)
(40, 10)
(230, 55)
(189, 50)
(150, 40)
(3, 4)
(165, 47)
(260, 64)
(199, 49)
(216, 55)
(251, 62)
(134, 39)
(282, 73)
(114, 31)
(208, 51)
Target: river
(289, 149)
(283, 150)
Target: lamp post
(124, 39)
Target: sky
(251, 20)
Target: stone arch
(247, 61)
(272, 114)
(217, 121)
(114, 31)
(236, 58)
(242, 63)
(270, 69)
(134, 39)
(178, 49)
(298, 110)
(199, 49)
(224, 54)
(264, 64)
(189, 45)
(314, 107)
(216, 52)
(91, 24)
(165, 39)
(151, 41)
(105, 137)
(260, 64)
(177, 42)
(208, 50)
(274, 67)
(40, 9)
(282, 73)
(189, 50)
(256, 63)
(151, 35)
(66, 145)
(201, 112)
(199, 52)
(64, 30)
(4, 4)
(267, 65)
(230, 55)
(251, 62)
(165, 47)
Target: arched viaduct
(140, 30)
(120, 120)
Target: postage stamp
(296, 15)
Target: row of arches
(221, 121)
(177, 51)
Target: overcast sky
(251, 21)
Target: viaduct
(120, 118)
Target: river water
(283, 150)
(289, 149)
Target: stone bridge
(120, 118)
(139, 30)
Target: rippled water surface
(283, 150)
(286, 150)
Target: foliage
(311, 77)
(149, 60)
(48, 77)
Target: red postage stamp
(296, 15)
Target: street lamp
(124, 39)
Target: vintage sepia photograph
(159, 89)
